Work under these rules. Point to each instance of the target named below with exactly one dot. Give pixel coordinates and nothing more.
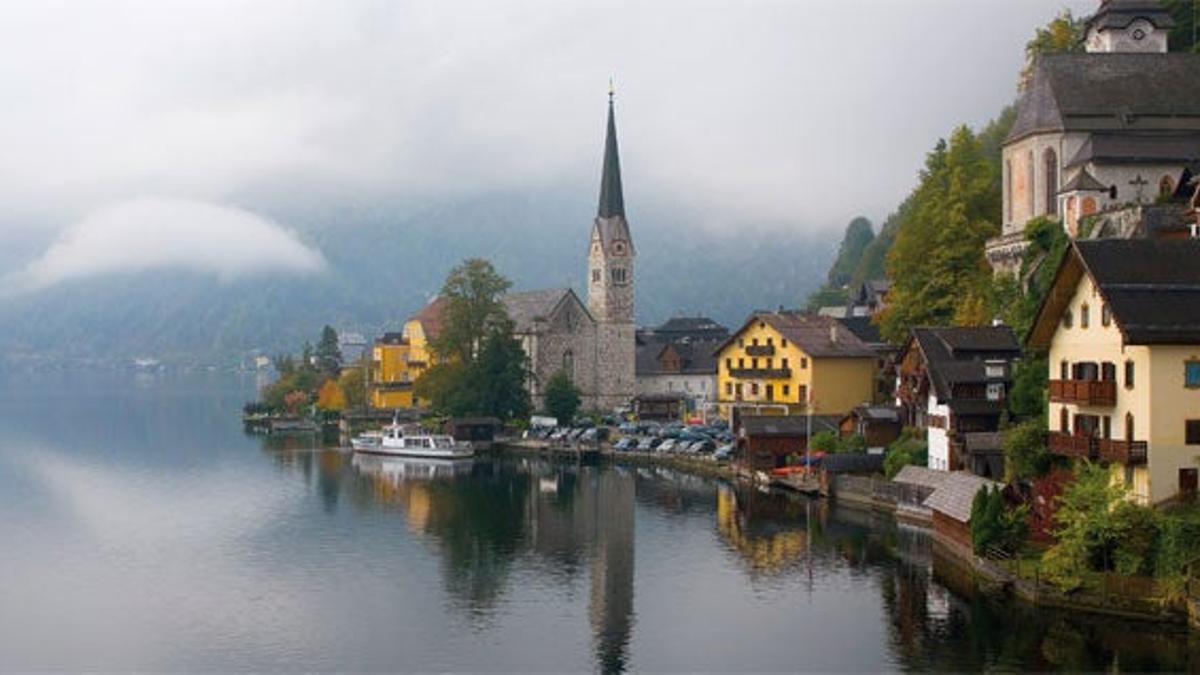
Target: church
(1103, 136)
(592, 342)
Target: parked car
(667, 446)
(589, 435)
(626, 443)
(648, 443)
(559, 433)
(723, 453)
(628, 428)
(703, 447)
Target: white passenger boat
(394, 440)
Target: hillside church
(593, 343)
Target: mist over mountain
(382, 261)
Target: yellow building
(1121, 326)
(391, 379)
(786, 363)
(401, 358)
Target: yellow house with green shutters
(1121, 327)
(399, 359)
(789, 363)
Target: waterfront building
(950, 505)
(1121, 325)
(676, 367)
(1100, 131)
(789, 363)
(879, 425)
(766, 441)
(953, 382)
(391, 377)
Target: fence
(879, 491)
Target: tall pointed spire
(612, 198)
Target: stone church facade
(593, 343)
(1099, 131)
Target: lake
(143, 530)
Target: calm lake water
(143, 530)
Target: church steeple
(612, 199)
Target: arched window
(1030, 184)
(569, 363)
(1051, 162)
(1166, 187)
(1105, 315)
(1089, 206)
(1008, 191)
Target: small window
(1192, 432)
(1084, 317)
(1129, 430)
(596, 276)
(741, 362)
(729, 389)
(770, 364)
(728, 364)
(783, 342)
(754, 363)
(754, 342)
(1129, 374)
(803, 362)
(995, 391)
(802, 393)
(1064, 371)
(1105, 315)
(770, 342)
(754, 389)
(1064, 420)
(1068, 319)
(1191, 374)
(787, 390)
(783, 364)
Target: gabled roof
(1121, 13)
(430, 317)
(788, 425)
(818, 336)
(529, 308)
(959, 354)
(693, 327)
(956, 494)
(1151, 286)
(864, 328)
(1111, 92)
(877, 413)
(1083, 181)
(697, 357)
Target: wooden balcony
(762, 373)
(1069, 445)
(760, 350)
(1084, 392)
(1123, 452)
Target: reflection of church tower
(611, 607)
(610, 282)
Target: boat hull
(423, 453)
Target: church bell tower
(610, 281)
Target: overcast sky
(798, 114)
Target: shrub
(910, 448)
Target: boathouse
(950, 505)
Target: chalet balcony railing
(760, 350)
(1084, 392)
(762, 373)
(1069, 445)
(1124, 452)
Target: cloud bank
(158, 233)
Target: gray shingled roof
(788, 425)
(1110, 148)
(527, 308)
(959, 354)
(818, 336)
(954, 497)
(1084, 182)
(1152, 286)
(1123, 92)
(698, 357)
(920, 475)
(1121, 13)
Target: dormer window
(1084, 317)
(1105, 315)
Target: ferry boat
(393, 440)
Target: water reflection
(151, 534)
